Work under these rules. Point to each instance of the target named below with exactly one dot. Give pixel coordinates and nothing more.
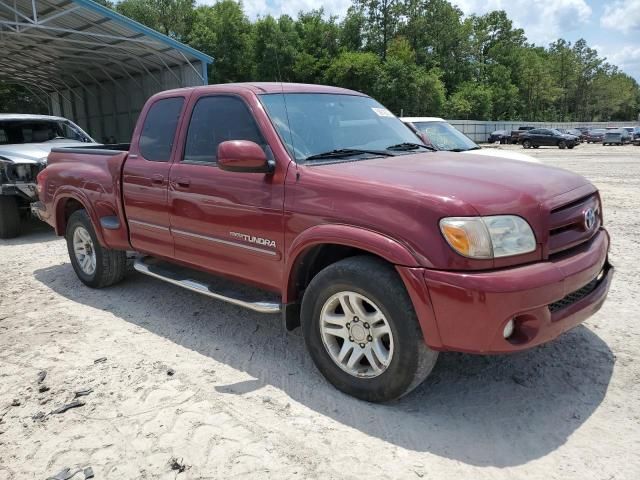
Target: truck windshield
(40, 131)
(318, 126)
(444, 136)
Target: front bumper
(39, 211)
(544, 299)
(26, 190)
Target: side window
(215, 120)
(159, 129)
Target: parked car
(317, 202)
(515, 134)
(596, 135)
(540, 137)
(627, 133)
(501, 136)
(615, 137)
(441, 135)
(636, 135)
(25, 141)
(577, 133)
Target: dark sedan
(501, 136)
(596, 135)
(546, 137)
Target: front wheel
(526, 143)
(362, 332)
(95, 265)
(562, 144)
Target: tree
(171, 17)
(471, 100)
(355, 70)
(275, 47)
(382, 18)
(224, 32)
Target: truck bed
(89, 176)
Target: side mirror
(243, 156)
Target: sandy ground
(245, 401)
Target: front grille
(574, 297)
(566, 224)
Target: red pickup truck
(318, 203)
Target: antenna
(286, 110)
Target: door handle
(157, 179)
(183, 182)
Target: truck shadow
(32, 231)
(484, 411)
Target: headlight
(488, 237)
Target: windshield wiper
(347, 152)
(457, 150)
(406, 146)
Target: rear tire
(96, 266)
(9, 217)
(526, 143)
(562, 144)
(362, 331)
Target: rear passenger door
(229, 223)
(145, 177)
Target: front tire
(9, 217)
(562, 144)
(526, 143)
(96, 266)
(362, 331)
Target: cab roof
(274, 87)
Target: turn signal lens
(467, 236)
(457, 238)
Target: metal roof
(53, 45)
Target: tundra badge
(253, 239)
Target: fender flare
(67, 193)
(338, 234)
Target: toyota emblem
(590, 219)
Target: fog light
(508, 329)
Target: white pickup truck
(25, 142)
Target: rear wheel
(9, 217)
(526, 143)
(362, 332)
(562, 144)
(95, 265)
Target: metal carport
(91, 64)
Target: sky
(610, 26)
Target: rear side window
(215, 120)
(159, 129)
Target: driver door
(229, 223)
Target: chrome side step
(214, 287)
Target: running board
(214, 287)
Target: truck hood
(492, 186)
(509, 154)
(32, 153)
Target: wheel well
(307, 266)
(70, 205)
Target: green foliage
(224, 32)
(171, 17)
(418, 57)
(18, 99)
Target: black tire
(9, 217)
(111, 265)
(412, 360)
(526, 143)
(562, 144)
(570, 146)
